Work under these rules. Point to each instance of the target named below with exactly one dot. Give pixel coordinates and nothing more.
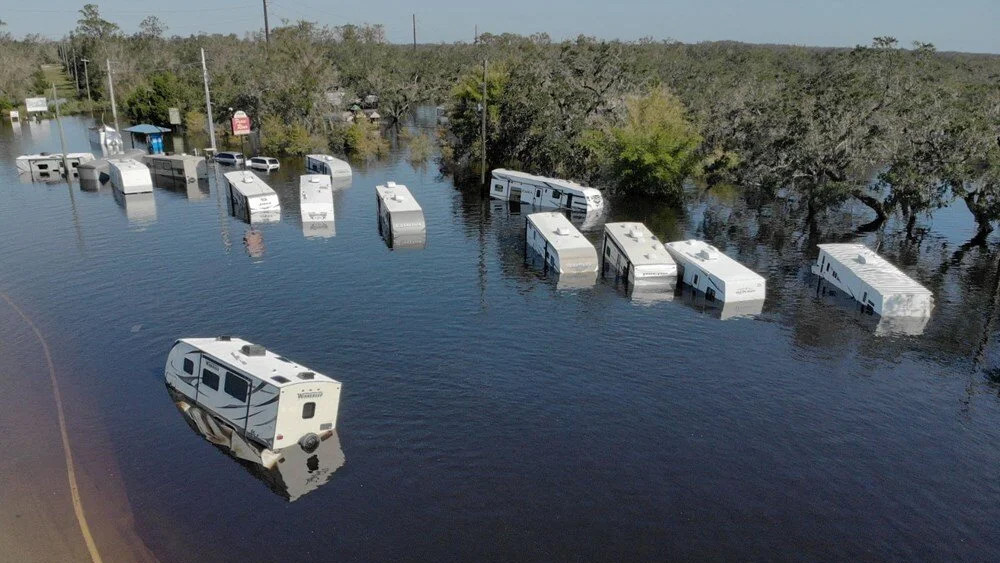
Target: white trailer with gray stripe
(872, 281)
(634, 255)
(562, 248)
(540, 191)
(266, 398)
(718, 276)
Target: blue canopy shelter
(152, 133)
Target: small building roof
(397, 198)
(710, 259)
(264, 366)
(558, 231)
(874, 270)
(638, 243)
(146, 129)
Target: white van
(231, 158)
(264, 163)
(266, 398)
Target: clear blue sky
(956, 25)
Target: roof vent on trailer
(861, 259)
(224, 338)
(314, 180)
(253, 350)
(391, 184)
(562, 231)
(636, 234)
(307, 375)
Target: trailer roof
(397, 198)
(559, 183)
(181, 157)
(266, 366)
(874, 270)
(334, 162)
(557, 229)
(126, 164)
(638, 243)
(710, 259)
(248, 183)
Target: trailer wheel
(309, 443)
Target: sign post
(241, 126)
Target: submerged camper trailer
(400, 217)
(45, 165)
(872, 281)
(540, 191)
(562, 248)
(326, 164)
(177, 166)
(265, 398)
(106, 137)
(251, 199)
(711, 272)
(129, 176)
(633, 254)
(316, 205)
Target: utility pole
(482, 172)
(76, 72)
(475, 39)
(86, 75)
(267, 29)
(208, 98)
(111, 92)
(414, 32)
(62, 136)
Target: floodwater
(489, 412)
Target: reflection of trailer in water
(634, 255)
(705, 268)
(251, 199)
(290, 473)
(400, 218)
(139, 208)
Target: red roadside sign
(241, 123)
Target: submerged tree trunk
(983, 224)
(875, 204)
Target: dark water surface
(487, 414)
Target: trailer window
(556, 194)
(210, 379)
(695, 280)
(188, 365)
(308, 410)
(498, 188)
(538, 193)
(236, 387)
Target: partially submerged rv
(177, 166)
(540, 191)
(326, 164)
(316, 206)
(251, 199)
(400, 217)
(872, 281)
(263, 397)
(106, 137)
(562, 248)
(129, 176)
(711, 272)
(633, 254)
(46, 165)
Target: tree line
(903, 131)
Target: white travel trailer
(316, 205)
(872, 281)
(108, 138)
(45, 165)
(251, 199)
(326, 164)
(544, 192)
(399, 215)
(718, 276)
(563, 249)
(181, 166)
(265, 398)
(129, 176)
(635, 256)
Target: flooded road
(487, 412)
